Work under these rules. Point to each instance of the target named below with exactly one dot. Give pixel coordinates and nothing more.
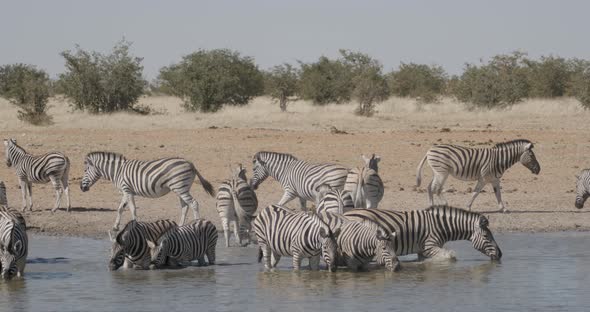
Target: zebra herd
(345, 228)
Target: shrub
(423, 82)
(103, 83)
(281, 83)
(548, 77)
(325, 81)
(206, 80)
(28, 88)
(579, 84)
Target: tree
(579, 85)
(103, 83)
(28, 88)
(424, 82)
(206, 80)
(325, 81)
(548, 77)
(281, 83)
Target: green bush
(579, 84)
(281, 83)
(325, 81)
(423, 82)
(28, 88)
(103, 83)
(549, 77)
(206, 80)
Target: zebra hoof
(504, 210)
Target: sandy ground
(400, 132)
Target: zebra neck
(277, 169)
(452, 226)
(505, 157)
(110, 169)
(17, 155)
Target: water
(542, 272)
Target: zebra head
(91, 174)
(385, 252)
(9, 144)
(8, 259)
(158, 251)
(582, 192)
(240, 173)
(329, 247)
(483, 240)
(528, 159)
(259, 171)
(118, 246)
(373, 162)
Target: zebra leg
(314, 263)
(23, 189)
(225, 225)
(211, 255)
(66, 188)
(120, 212)
(287, 197)
(437, 186)
(478, 187)
(132, 207)
(429, 190)
(297, 261)
(58, 192)
(236, 232)
(433, 250)
(29, 189)
(183, 210)
(266, 254)
(498, 191)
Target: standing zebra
(484, 165)
(185, 243)
(13, 244)
(426, 231)
(152, 179)
(30, 169)
(130, 245)
(236, 204)
(364, 183)
(333, 201)
(282, 232)
(297, 177)
(3, 198)
(582, 188)
(360, 242)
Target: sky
(448, 33)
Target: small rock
(161, 146)
(401, 188)
(445, 130)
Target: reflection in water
(71, 274)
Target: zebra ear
(528, 146)
(18, 245)
(323, 233)
(365, 159)
(381, 235)
(5, 142)
(336, 232)
(483, 221)
(151, 244)
(376, 158)
(577, 177)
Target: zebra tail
(419, 171)
(358, 199)
(206, 185)
(243, 217)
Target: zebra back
(333, 200)
(364, 184)
(237, 192)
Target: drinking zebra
(582, 188)
(360, 242)
(297, 177)
(236, 204)
(424, 232)
(364, 184)
(333, 200)
(185, 243)
(282, 232)
(486, 165)
(152, 179)
(30, 169)
(130, 246)
(13, 244)
(3, 198)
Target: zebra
(333, 200)
(582, 188)
(185, 243)
(486, 165)
(3, 198)
(360, 242)
(364, 183)
(13, 244)
(281, 232)
(152, 179)
(236, 204)
(297, 177)
(424, 232)
(130, 244)
(53, 166)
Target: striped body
(424, 232)
(333, 200)
(298, 178)
(365, 184)
(13, 244)
(31, 169)
(151, 179)
(360, 242)
(281, 232)
(131, 243)
(582, 188)
(185, 243)
(484, 165)
(3, 198)
(236, 204)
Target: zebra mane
(110, 155)
(13, 143)
(452, 210)
(513, 143)
(264, 154)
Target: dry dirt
(400, 132)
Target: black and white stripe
(365, 184)
(13, 244)
(185, 243)
(30, 169)
(152, 179)
(484, 165)
(236, 204)
(281, 232)
(3, 198)
(424, 232)
(582, 188)
(130, 244)
(333, 200)
(298, 178)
